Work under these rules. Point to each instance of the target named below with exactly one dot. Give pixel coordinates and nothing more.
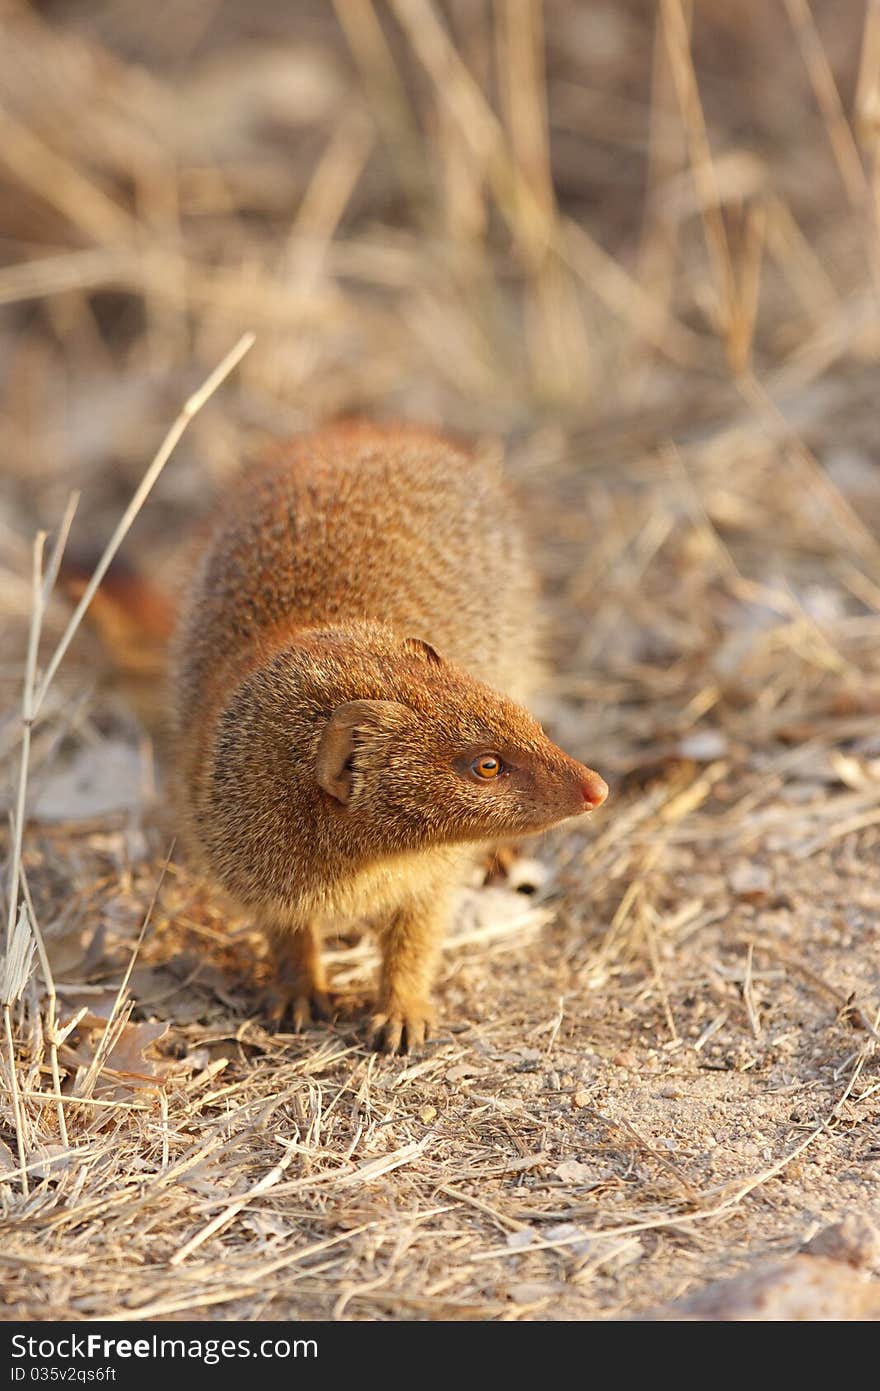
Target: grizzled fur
(363, 601)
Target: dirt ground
(638, 244)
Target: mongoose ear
(333, 768)
(424, 649)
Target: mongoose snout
(343, 746)
(594, 789)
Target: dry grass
(640, 243)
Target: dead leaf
(50, 1161)
(67, 951)
(126, 1069)
(461, 1072)
(128, 1058)
(267, 1224)
(518, 1241)
(751, 881)
(99, 1000)
(573, 1171)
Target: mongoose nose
(594, 790)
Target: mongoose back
(344, 688)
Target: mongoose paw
(402, 1028)
(300, 1007)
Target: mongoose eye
(487, 765)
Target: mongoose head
(350, 745)
(444, 758)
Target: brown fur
(330, 686)
(134, 622)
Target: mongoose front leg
(410, 947)
(298, 987)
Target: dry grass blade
(13, 979)
(702, 165)
(17, 961)
(828, 97)
(369, 46)
(61, 184)
(115, 1018)
(41, 589)
(515, 197)
(28, 714)
(54, 1035)
(190, 409)
(229, 1213)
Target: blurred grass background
(602, 217)
(637, 241)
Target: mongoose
(344, 685)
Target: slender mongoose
(344, 727)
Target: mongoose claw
(308, 1008)
(300, 1008)
(402, 1030)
